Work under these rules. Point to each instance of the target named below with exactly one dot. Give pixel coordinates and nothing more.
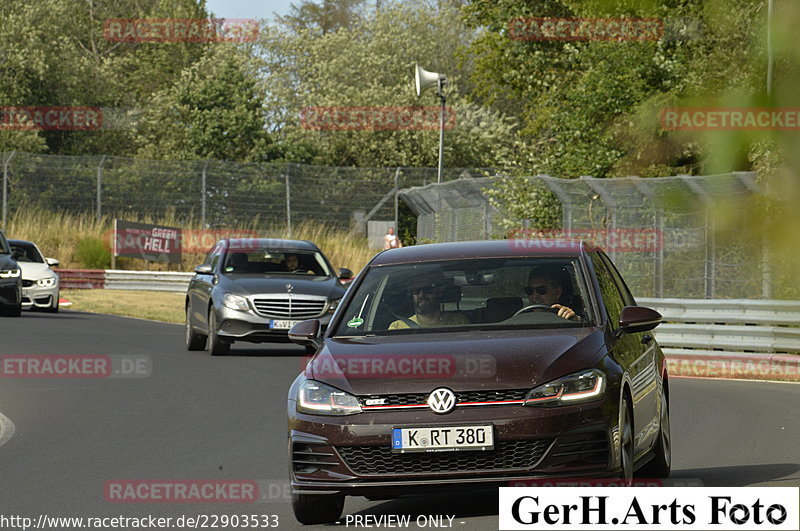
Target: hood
(301, 285)
(471, 361)
(35, 270)
(7, 262)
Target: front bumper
(333, 455)
(38, 297)
(10, 292)
(235, 325)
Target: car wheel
(320, 509)
(53, 308)
(14, 311)
(215, 344)
(194, 341)
(625, 442)
(661, 465)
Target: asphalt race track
(198, 417)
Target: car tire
(214, 343)
(194, 341)
(14, 311)
(53, 308)
(661, 464)
(625, 442)
(319, 509)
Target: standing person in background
(391, 241)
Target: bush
(92, 253)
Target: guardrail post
(5, 189)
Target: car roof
(23, 242)
(513, 248)
(272, 243)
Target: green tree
(214, 111)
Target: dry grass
(155, 305)
(58, 234)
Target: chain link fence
(689, 260)
(684, 259)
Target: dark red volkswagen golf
(477, 363)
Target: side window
(612, 298)
(623, 288)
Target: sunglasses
(430, 288)
(541, 290)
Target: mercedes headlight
(46, 282)
(321, 399)
(235, 302)
(584, 386)
(10, 273)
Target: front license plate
(280, 324)
(443, 439)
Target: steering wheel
(536, 307)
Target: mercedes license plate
(282, 324)
(443, 438)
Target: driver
(426, 294)
(546, 286)
(292, 263)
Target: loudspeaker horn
(425, 79)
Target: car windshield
(482, 294)
(26, 253)
(275, 262)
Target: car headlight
(321, 399)
(235, 302)
(46, 282)
(334, 305)
(584, 386)
(10, 273)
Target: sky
(248, 8)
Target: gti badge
(442, 400)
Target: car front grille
(421, 399)
(507, 455)
(290, 307)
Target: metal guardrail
(148, 280)
(715, 327)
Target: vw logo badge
(442, 400)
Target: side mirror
(306, 332)
(204, 269)
(634, 319)
(51, 262)
(344, 273)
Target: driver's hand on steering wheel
(564, 312)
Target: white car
(39, 282)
